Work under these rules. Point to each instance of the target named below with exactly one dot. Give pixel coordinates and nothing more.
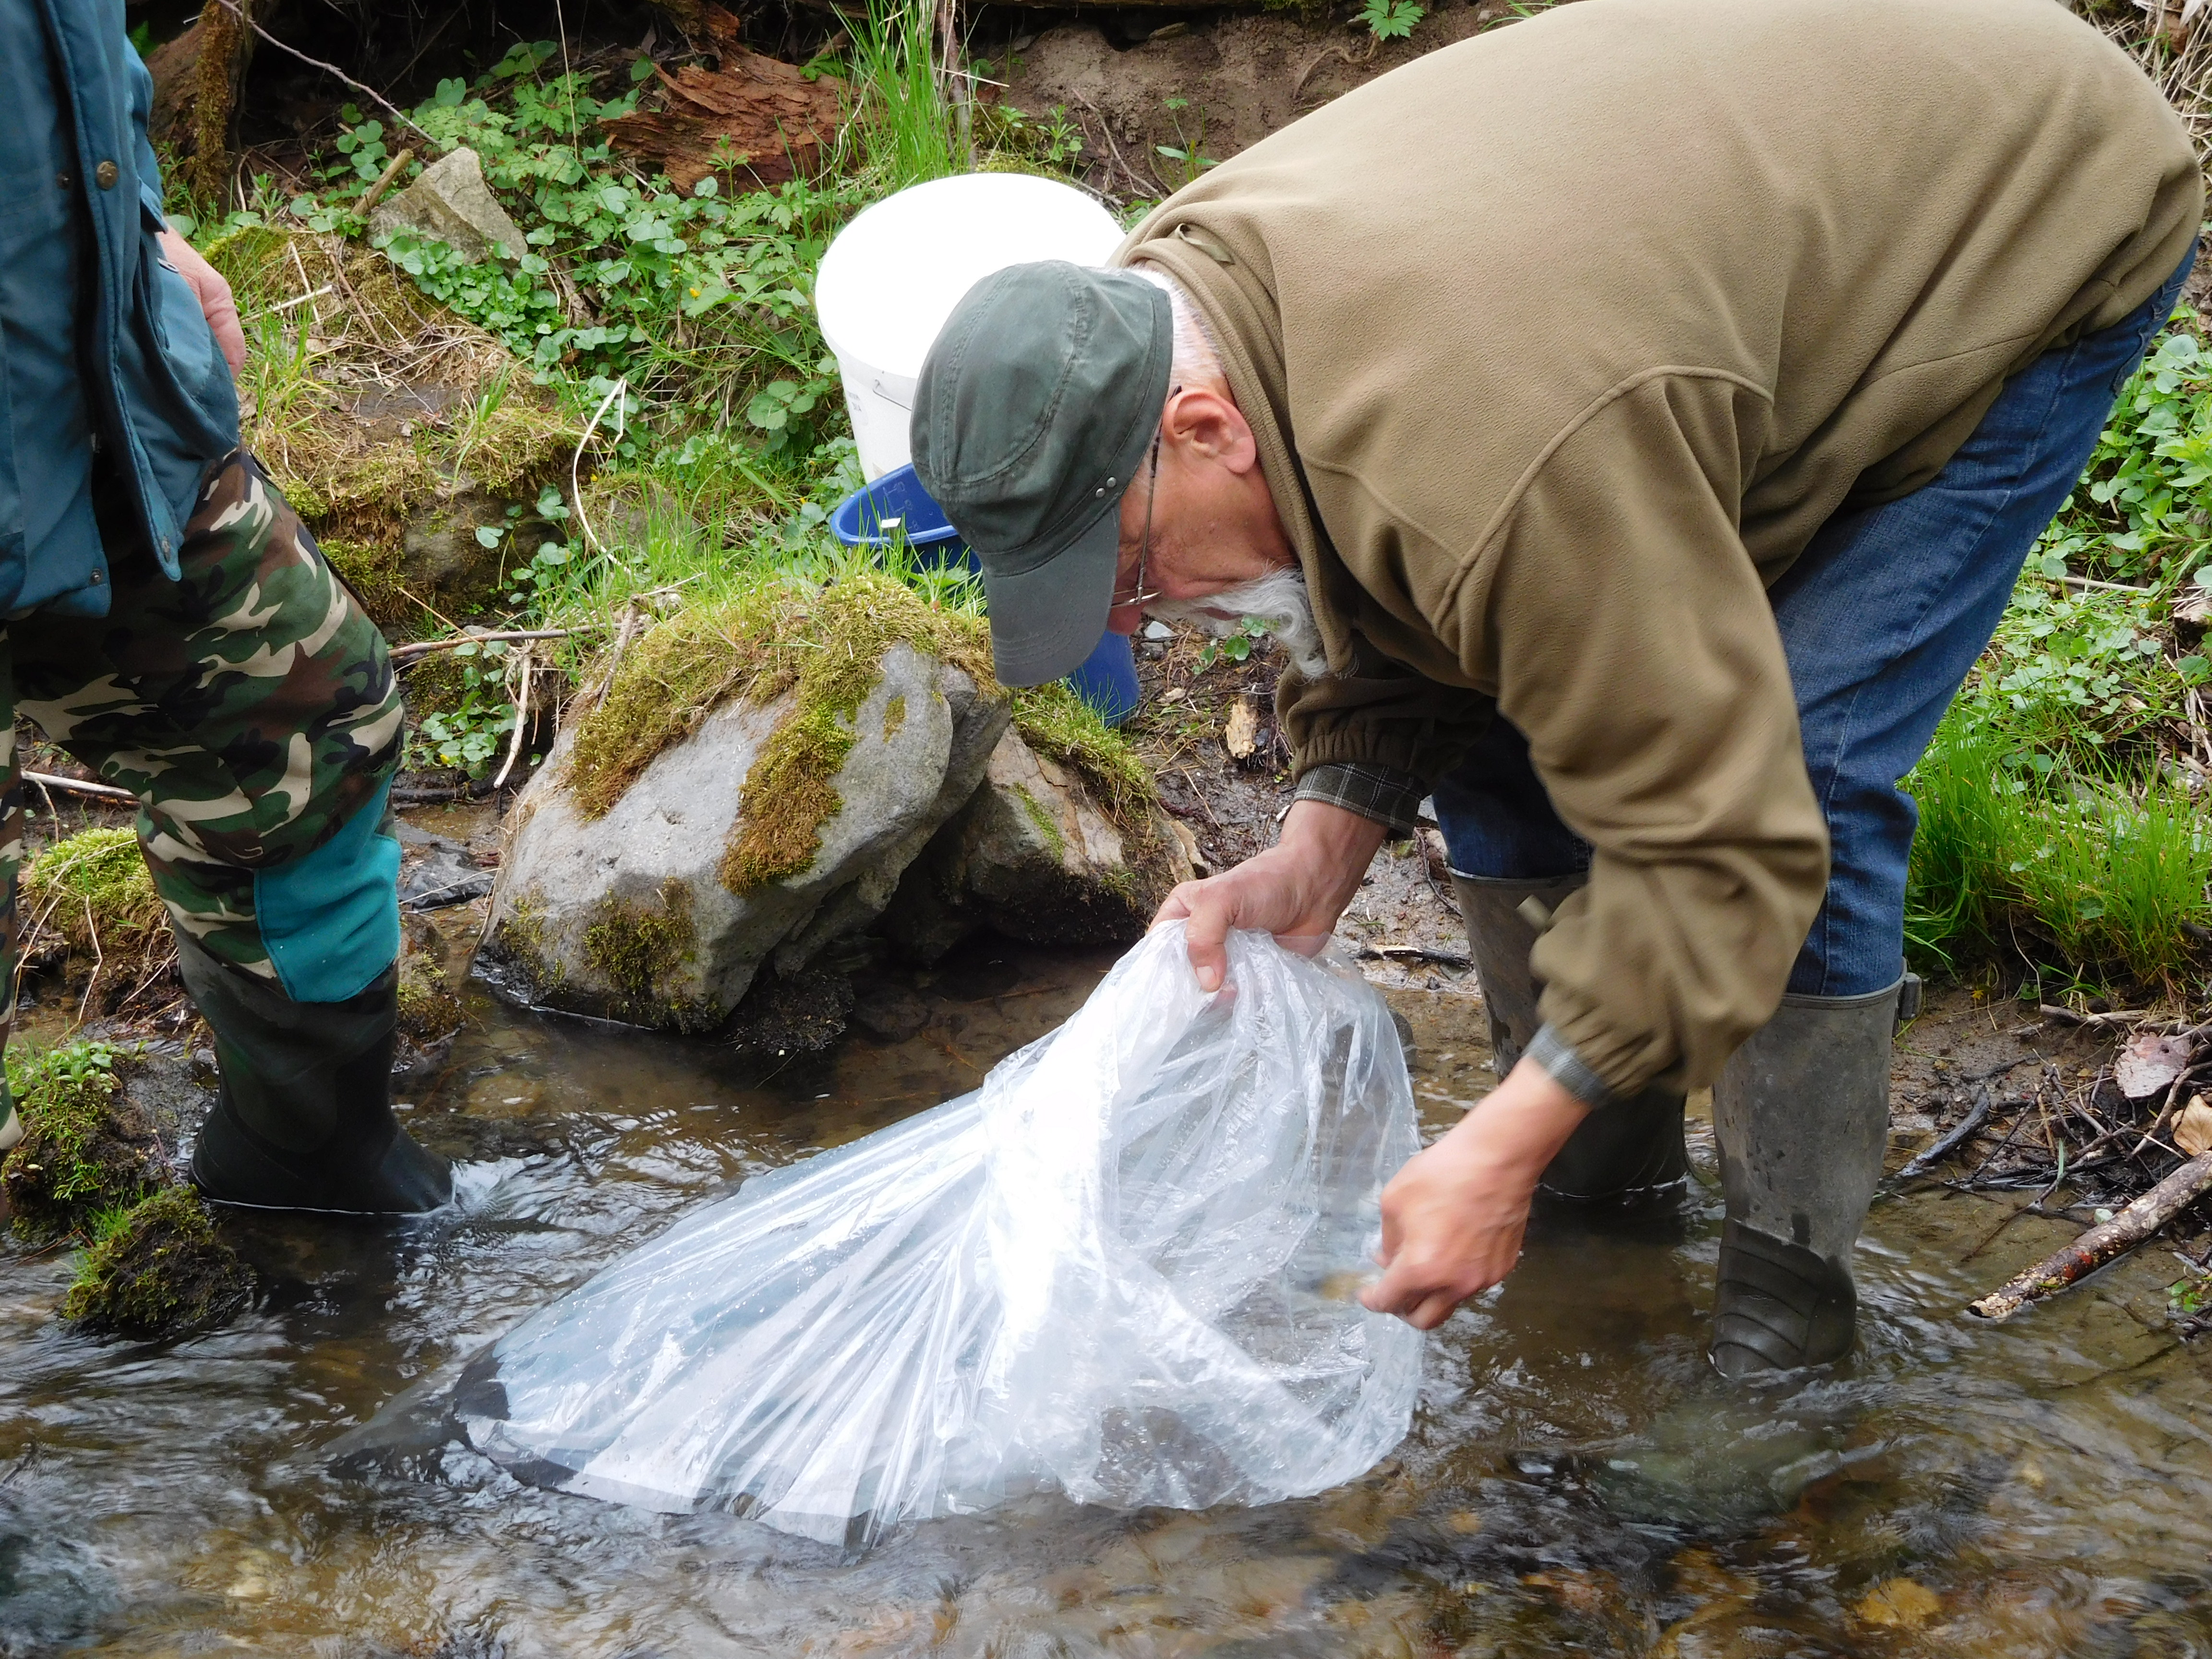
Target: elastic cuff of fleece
(1559, 1061)
(1383, 793)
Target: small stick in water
(2102, 1243)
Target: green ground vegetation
(85, 1149)
(2061, 804)
(92, 896)
(660, 343)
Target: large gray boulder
(1035, 856)
(451, 203)
(627, 917)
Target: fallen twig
(1923, 1162)
(393, 168)
(2103, 1243)
(424, 647)
(78, 786)
(1413, 953)
(528, 672)
(2117, 1016)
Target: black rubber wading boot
(1629, 1152)
(1801, 1113)
(304, 1118)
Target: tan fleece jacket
(1562, 342)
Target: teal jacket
(102, 344)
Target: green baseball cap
(1034, 408)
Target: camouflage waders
(252, 708)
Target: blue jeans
(1881, 617)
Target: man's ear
(1206, 422)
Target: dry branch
(2103, 1243)
(78, 786)
(407, 653)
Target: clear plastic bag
(1126, 1265)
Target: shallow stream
(1574, 1481)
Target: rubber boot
(1801, 1113)
(1626, 1150)
(304, 1119)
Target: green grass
(2061, 824)
(904, 131)
(2103, 879)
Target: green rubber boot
(1801, 1113)
(1630, 1150)
(304, 1120)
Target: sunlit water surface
(1574, 1481)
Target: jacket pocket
(179, 397)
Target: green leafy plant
(1391, 20)
(1235, 646)
(1185, 151)
(469, 734)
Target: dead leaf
(1900, 1602)
(1193, 853)
(2193, 1132)
(1242, 739)
(2147, 1064)
(2196, 609)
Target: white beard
(1277, 600)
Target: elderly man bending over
(1632, 423)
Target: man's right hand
(1295, 889)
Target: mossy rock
(762, 771)
(1040, 853)
(91, 899)
(391, 482)
(87, 1148)
(158, 1269)
(429, 1010)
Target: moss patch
(635, 945)
(767, 638)
(894, 716)
(1041, 822)
(1057, 723)
(429, 1009)
(789, 793)
(157, 1269)
(97, 881)
(85, 1148)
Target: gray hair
(1277, 601)
(1197, 357)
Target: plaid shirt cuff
(1381, 792)
(1565, 1067)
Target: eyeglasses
(1144, 595)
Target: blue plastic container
(897, 505)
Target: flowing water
(1575, 1480)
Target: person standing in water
(1632, 422)
(170, 622)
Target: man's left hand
(214, 296)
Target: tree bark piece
(2103, 1243)
(753, 120)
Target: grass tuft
(93, 895)
(1059, 725)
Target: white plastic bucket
(893, 275)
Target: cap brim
(1045, 623)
